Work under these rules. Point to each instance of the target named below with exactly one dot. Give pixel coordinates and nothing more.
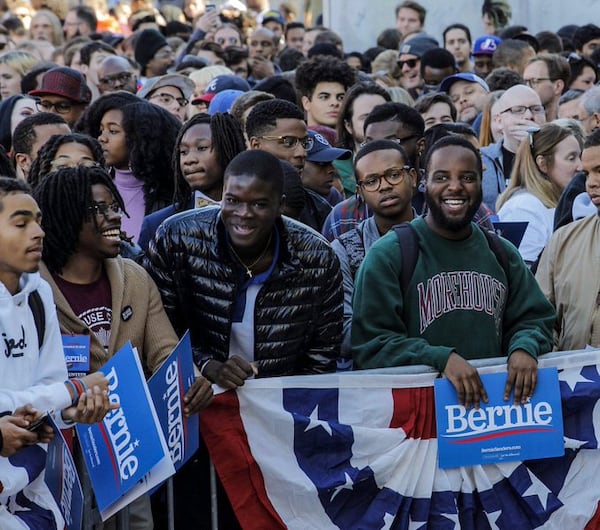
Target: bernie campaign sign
(168, 386)
(499, 431)
(63, 481)
(126, 454)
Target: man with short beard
(470, 295)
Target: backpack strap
(499, 250)
(39, 315)
(409, 247)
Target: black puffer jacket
(298, 315)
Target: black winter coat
(298, 311)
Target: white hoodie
(29, 374)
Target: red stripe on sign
(414, 411)
(222, 430)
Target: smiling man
(396, 324)
(257, 280)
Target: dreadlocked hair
(42, 165)
(227, 141)
(65, 198)
(150, 134)
(89, 122)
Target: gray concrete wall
(360, 21)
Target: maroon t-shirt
(91, 303)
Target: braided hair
(227, 141)
(65, 198)
(42, 165)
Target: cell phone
(39, 423)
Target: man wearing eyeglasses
(116, 73)
(171, 92)
(385, 182)
(278, 127)
(548, 74)
(520, 110)
(63, 91)
(390, 121)
(92, 54)
(435, 314)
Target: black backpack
(39, 315)
(409, 245)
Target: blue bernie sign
(127, 444)
(499, 431)
(168, 386)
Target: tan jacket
(568, 275)
(137, 316)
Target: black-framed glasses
(167, 99)
(520, 110)
(101, 208)
(535, 81)
(393, 176)
(64, 163)
(61, 107)
(289, 142)
(411, 63)
(400, 141)
(113, 80)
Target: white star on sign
(492, 518)
(316, 422)
(572, 376)
(452, 517)
(348, 485)
(538, 489)
(415, 525)
(388, 519)
(573, 443)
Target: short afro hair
(263, 117)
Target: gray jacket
(494, 180)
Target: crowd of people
(299, 208)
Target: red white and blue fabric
(25, 501)
(359, 451)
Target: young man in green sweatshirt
(460, 303)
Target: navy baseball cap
(470, 78)
(486, 45)
(220, 83)
(322, 151)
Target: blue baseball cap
(486, 45)
(322, 151)
(469, 78)
(223, 101)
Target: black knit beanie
(146, 45)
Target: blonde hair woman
(545, 163)
(13, 66)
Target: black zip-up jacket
(298, 311)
